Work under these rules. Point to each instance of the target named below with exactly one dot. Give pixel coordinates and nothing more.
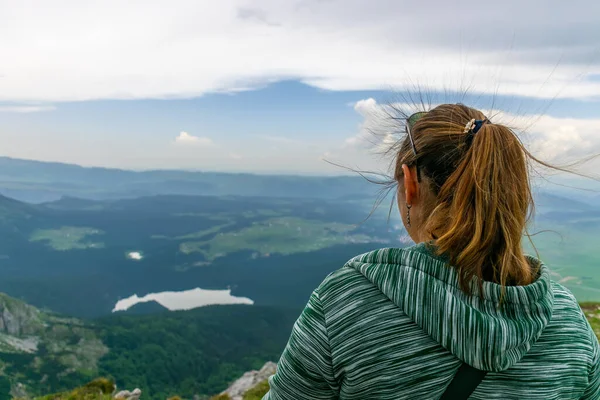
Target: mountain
(547, 200)
(36, 182)
(39, 349)
(197, 352)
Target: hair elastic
(474, 125)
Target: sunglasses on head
(410, 122)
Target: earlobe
(410, 184)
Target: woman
(462, 314)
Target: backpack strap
(464, 383)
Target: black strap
(464, 383)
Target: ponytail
(482, 194)
(482, 210)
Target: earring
(408, 207)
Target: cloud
(562, 139)
(366, 106)
(85, 49)
(376, 128)
(553, 139)
(26, 109)
(235, 156)
(185, 138)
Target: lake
(184, 300)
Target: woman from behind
(462, 314)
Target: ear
(411, 184)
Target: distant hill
(13, 209)
(36, 182)
(546, 200)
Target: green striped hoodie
(394, 324)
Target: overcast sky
(276, 86)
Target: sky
(283, 86)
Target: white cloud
(366, 106)
(235, 156)
(376, 128)
(553, 139)
(186, 138)
(85, 49)
(562, 139)
(26, 109)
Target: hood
(477, 329)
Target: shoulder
(347, 284)
(565, 302)
(568, 316)
(340, 275)
(566, 309)
(341, 279)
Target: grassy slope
(284, 235)
(100, 389)
(67, 238)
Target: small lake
(184, 300)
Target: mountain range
(37, 182)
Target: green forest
(194, 352)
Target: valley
(81, 258)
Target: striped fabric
(394, 324)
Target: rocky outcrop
(127, 395)
(67, 344)
(247, 382)
(19, 391)
(17, 318)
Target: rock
(17, 318)
(19, 391)
(127, 395)
(249, 380)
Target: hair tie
(474, 125)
